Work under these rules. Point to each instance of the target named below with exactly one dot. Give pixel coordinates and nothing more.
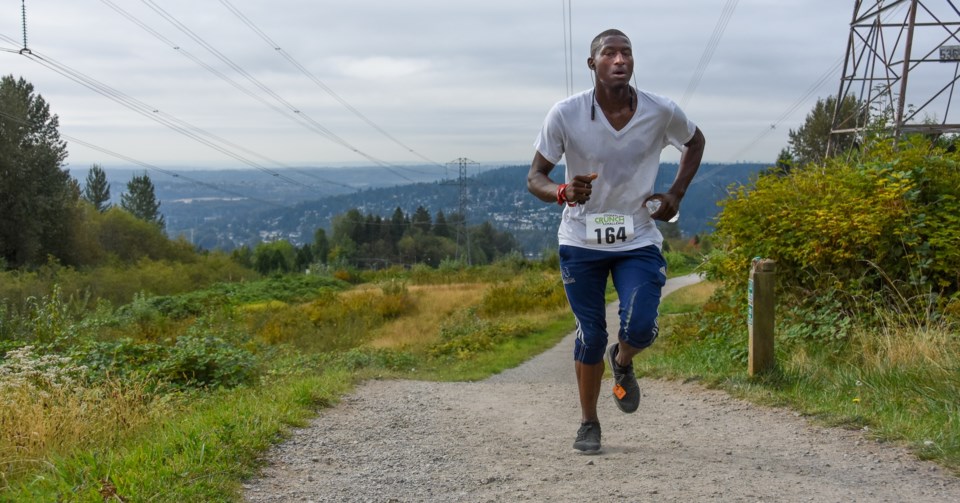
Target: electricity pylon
(902, 63)
(463, 237)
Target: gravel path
(509, 438)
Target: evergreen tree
(141, 200)
(398, 224)
(440, 226)
(97, 190)
(36, 196)
(808, 144)
(321, 246)
(421, 220)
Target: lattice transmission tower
(902, 64)
(463, 236)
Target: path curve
(509, 438)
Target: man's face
(614, 61)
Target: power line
(152, 113)
(824, 78)
(237, 68)
(235, 84)
(708, 51)
(149, 166)
(568, 44)
(279, 50)
(827, 75)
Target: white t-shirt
(627, 162)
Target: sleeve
(679, 128)
(550, 143)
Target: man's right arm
(539, 183)
(538, 179)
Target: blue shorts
(638, 276)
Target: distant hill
(253, 206)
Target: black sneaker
(626, 390)
(588, 438)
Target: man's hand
(669, 205)
(579, 189)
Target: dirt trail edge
(509, 438)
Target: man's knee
(642, 334)
(591, 351)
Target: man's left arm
(689, 164)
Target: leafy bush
(679, 262)
(359, 358)
(205, 362)
(890, 217)
(290, 288)
(853, 239)
(467, 334)
(192, 361)
(531, 292)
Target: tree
(97, 190)
(421, 219)
(141, 200)
(784, 164)
(36, 194)
(275, 257)
(440, 226)
(808, 144)
(321, 246)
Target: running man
(612, 136)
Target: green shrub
(122, 358)
(888, 218)
(193, 361)
(679, 262)
(531, 292)
(359, 358)
(205, 362)
(466, 334)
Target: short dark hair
(598, 40)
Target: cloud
(380, 67)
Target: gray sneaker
(626, 389)
(588, 438)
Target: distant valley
(226, 209)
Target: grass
(200, 445)
(200, 453)
(687, 299)
(435, 303)
(899, 383)
(506, 355)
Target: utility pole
(902, 64)
(463, 237)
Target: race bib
(609, 228)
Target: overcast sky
(445, 79)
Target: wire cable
(279, 50)
(803, 99)
(293, 117)
(152, 113)
(708, 51)
(149, 166)
(827, 75)
(237, 68)
(568, 44)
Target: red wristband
(561, 193)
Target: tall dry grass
(47, 409)
(433, 304)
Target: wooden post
(760, 317)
